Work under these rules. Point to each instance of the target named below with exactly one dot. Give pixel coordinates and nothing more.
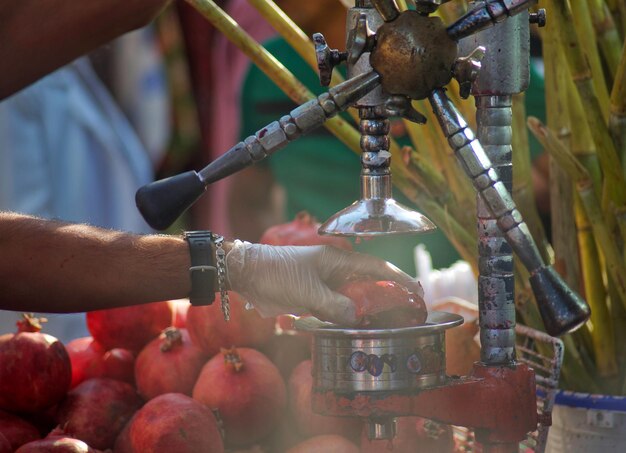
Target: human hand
(299, 280)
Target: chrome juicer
(395, 57)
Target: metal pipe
(496, 280)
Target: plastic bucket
(585, 423)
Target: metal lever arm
(162, 202)
(489, 14)
(562, 310)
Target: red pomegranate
(16, 430)
(57, 442)
(413, 435)
(175, 423)
(97, 410)
(384, 304)
(169, 364)
(307, 422)
(301, 231)
(210, 332)
(36, 372)
(287, 350)
(122, 442)
(129, 327)
(119, 364)
(85, 355)
(89, 360)
(248, 391)
(328, 443)
(5, 446)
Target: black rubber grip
(162, 202)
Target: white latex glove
(299, 280)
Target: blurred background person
(72, 151)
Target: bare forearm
(55, 267)
(38, 36)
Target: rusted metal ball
(414, 55)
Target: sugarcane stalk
(561, 190)
(617, 8)
(584, 186)
(583, 28)
(292, 33)
(595, 294)
(523, 192)
(273, 68)
(582, 144)
(402, 6)
(607, 34)
(617, 117)
(614, 187)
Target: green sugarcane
(614, 188)
(607, 34)
(583, 27)
(523, 192)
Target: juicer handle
(162, 202)
(562, 310)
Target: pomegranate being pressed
(384, 304)
(36, 372)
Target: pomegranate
(307, 422)
(247, 390)
(89, 360)
(287, 350)
(414, 435)
(328, 443)
(210, 332)
(5, 446)
(301, 231)
(122, 442)
(85, 355)
(97, 410)
(181, 306)
(169, 364)
(16, 430)
(129, 327)
(384, 304)
(173, 422)
(36, 372)
(57, 442)
(119, 364)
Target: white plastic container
(584, 423)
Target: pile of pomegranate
(167, 377)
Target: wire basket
(544, 354)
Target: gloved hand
(299, 280)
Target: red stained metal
(498, 402)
